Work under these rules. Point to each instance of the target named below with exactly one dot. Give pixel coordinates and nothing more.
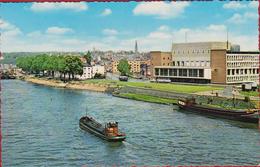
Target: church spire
(136, 47)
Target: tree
(38, 63)
(88, 57)
(123, 67)
(73, 66)
(25, 63)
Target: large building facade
(234, 67)
(206, 62)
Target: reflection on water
(40, 128)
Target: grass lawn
(148, 98)
(250, 93)
(158, 86)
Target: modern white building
(191, 62)
(208, 62)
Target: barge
(108, 132)
(250, 116)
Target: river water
(40, 128)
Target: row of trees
(65, 65)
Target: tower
(136, 47)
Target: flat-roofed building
(229, 67)
(207, 62)
(190, 62)
(90, 71)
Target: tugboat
(250, 116)
(108, 132)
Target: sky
(36, 27)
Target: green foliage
(25, 63)
(148, 98)
(250, 93)
(88, 57)
(71, 65)
(173, 87)
(123, 67)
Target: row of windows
(164, 64)
(243, 64)
(242, 71)
(167, 58)
(242, 57)
(191, 51)
(191, 63)
(242, 78)
(180, 72)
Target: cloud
(234, 5)
(58, 30)
(8, 29)
(164, 28)
(48, 6)
(110, 32)
(242, 18)
(106, 12)
(253, 4)
(160, 38)
(161, 10)
(215, 27)
(34, 34)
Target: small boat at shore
(250, 116)
(109, 131)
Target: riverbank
(146, 98)
(148, 92)
(70, 85)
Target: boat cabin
(111, 129)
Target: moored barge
(250, 116)
(108, 132)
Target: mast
(185, 36)
(227, 38)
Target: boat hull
(99, 133)
(242, 116)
